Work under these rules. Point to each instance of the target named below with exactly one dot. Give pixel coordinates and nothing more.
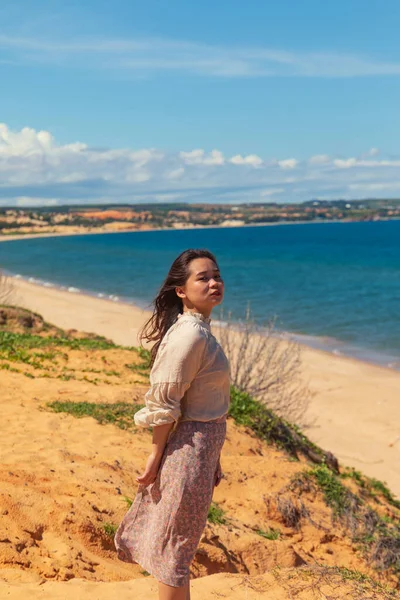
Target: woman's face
(204, 287)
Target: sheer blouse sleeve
(177, 362)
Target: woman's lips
(216, 294)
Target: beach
(354, 406)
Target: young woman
(186, 406)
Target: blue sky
(212, 101)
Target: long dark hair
(167, 305)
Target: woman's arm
(160, 437)
(171, 376)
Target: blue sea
(334, 286)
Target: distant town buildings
(73, 219)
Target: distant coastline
(26, 236)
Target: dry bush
(293, 512)
(322, 582)
(6, 289)
(266, 364)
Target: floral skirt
(163, 526)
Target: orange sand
(355, 405)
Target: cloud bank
(35, 169)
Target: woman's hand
(150, 473)
(218, 474)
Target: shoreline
(70, 293)
(354, 408)
(334, 346)
(305, 340)
(30, 236)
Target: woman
(186, 406)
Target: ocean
(334, 286)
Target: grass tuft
(336, 495)
(120, 414)
(270, 534)
(371, 486)
(216, 514)
(110, 529)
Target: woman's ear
(180, 293)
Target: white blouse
(190, 376)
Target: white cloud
(199, 157)
(354, 162)
(272, 192)
(250, 159)
(345, 164)
(167, 197)
(137, 176)
(175, 173)
(23, 201)
(375, 187)
(36, 169)
(289, 163)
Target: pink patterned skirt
(163, 526)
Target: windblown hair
(167, 305)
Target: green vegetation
(120, 414)
(46, 354)
(270, 534)
(143, 367)
(336, 495)
(354, 575)
(377, 538)
(317, 578)
(16, 343)
(273, 429)
(110, 529)
(372, 487)
(216, 514)
(43, 352)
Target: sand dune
(65, 480)
(355, 405)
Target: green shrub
(216, 514)
(110, 529)
(271, 428)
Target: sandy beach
(355, 406)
